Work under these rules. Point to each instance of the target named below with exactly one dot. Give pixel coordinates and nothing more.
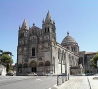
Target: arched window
(47, 63)
(63, 56)
(45, 30)
(48, 29)
(59, 51)
(33, 51)
(20, 66)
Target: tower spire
(25, 25)
(48, 18)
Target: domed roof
(68, 39)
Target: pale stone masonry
(39, 52)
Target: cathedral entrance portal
(33, 66)
(34, 69)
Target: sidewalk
(93, 82)
(76, 82)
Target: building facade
(2, 70)
(39, 52)
(84, 59)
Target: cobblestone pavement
(77, 82)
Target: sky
(79, 17)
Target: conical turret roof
(48, 18)
(25, 25)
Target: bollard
(63, 79)
(66, 78)
(59, 80)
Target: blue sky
(79, 17)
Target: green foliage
(94, 60)
(6, 59)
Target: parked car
(89, 74)
(63, 74)
(49, 74)
(9, 74)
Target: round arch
(20, 66)
(40, 64)
(33, 64)
(47, 63)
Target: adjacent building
(2, 70)
(84, 59)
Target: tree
(94, 60)
(6, 59)
(1, 51)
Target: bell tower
(23, 33)
(22, 48)
(48, 28)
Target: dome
(68, 39)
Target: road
(47, 82)
(27, 82)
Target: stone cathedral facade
(38, 51)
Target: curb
(60, 86)
(89, 83)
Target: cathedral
(39, 52)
